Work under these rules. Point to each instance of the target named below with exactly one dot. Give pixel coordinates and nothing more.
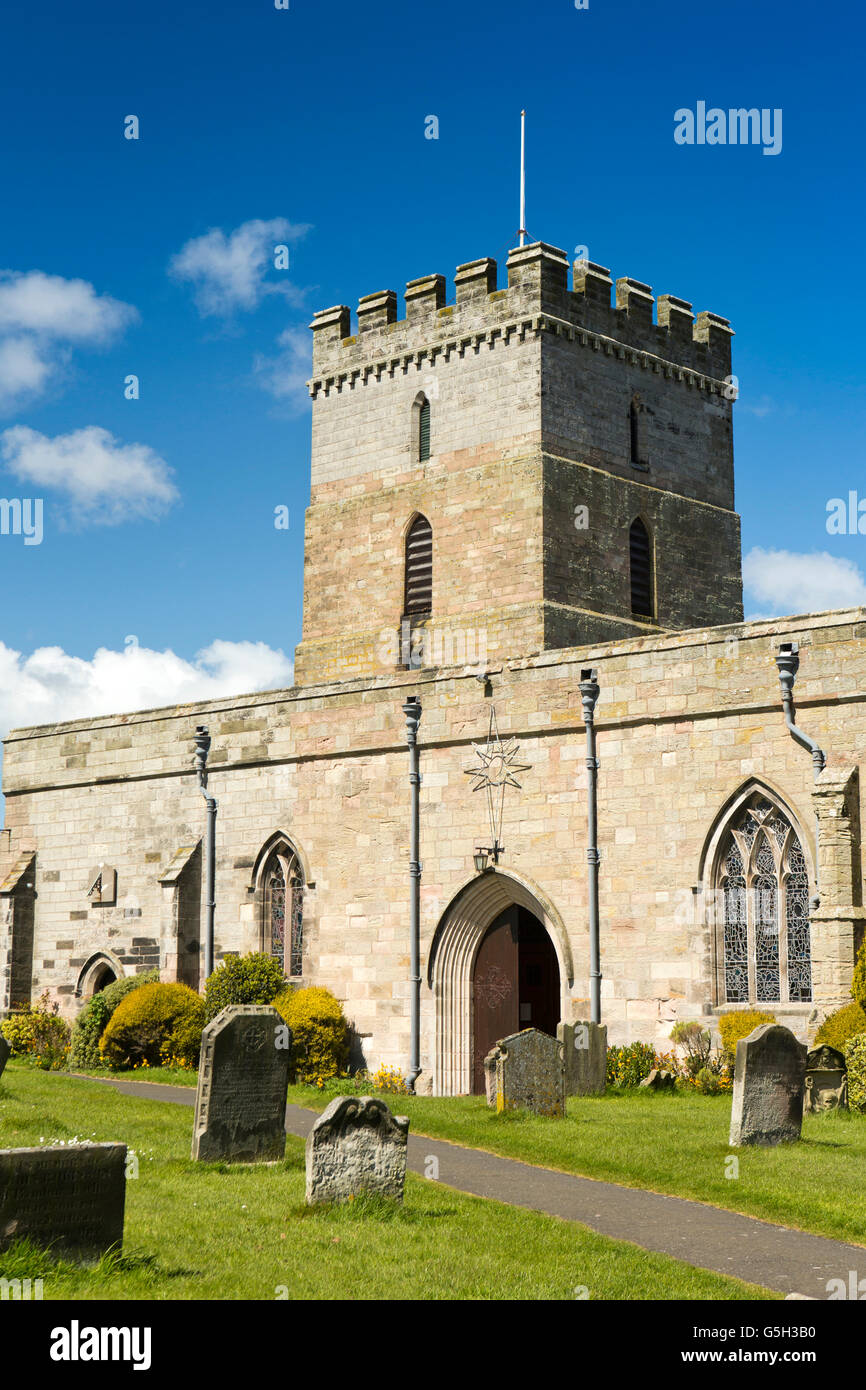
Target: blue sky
(159, 541)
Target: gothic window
(764, 903)
(418, 596)
(640, 568)
(284, 910)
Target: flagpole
(522, 178)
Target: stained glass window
(284, 892)
(764, 899)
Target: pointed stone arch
(458, 936)
(101, 969)
(280, 880)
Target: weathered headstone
(243, 1077)
(659, 1079)
(490, 1076)
(5, 1053)
(355, 1146)
(68, 1198)
(530, 1073)
(584, 1052)
(826, 1080)
(769, 1079)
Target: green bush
(708, 1082)
(91, 1022)
(320, 1034)
(151, 1025)
(628, 1065)
(839, 1027)
(252, 979)
(697, 1044)
(858, 984)
(40, 1033)
(18, 1031)
(855, 1056)
(737, 1025)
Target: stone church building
(507, 491)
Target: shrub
(320, 1041)
(855, 1056)
(841, 1026)
(253, 979)
(18, 1032)
(91, 1022)
(389, 1079)
(737, 1025)
(628, 1065)
(709, 1082)
(39, 1032)
(150, 1019)
(696, 1043)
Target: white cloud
(285, 376)
(50, 686)
(228, 272)
(41, 318)
(783, 582)
(104, 481)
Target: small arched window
(764, 901)
(283, 925)
(637, 433)
(421, 428)
(418, 595)
(640, 566)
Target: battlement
(537, 299)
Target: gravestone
(769, 1079)
(490, 1077)
(5, 1053)
(355, 1146)
(659, 1079)
(530, 1073)
(243, 1077)
(826, 1081)
(70, 1198)
(584, 1053)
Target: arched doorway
(452, 960)
(515, 984)
(99, 972)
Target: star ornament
(496, 770)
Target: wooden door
(495, 994)
(538, 976)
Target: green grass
(676, 1144)
(220, 1231)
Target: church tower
(526, 468)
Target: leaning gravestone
(530, 1073)
(69, 1198)
(826, 1081)
(5, 1053)
(769, 1079)
(659, 1079)
(584, 1053)
(355, 1146)
(243, 1077)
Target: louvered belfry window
(419, 568)
(424, 432)
(640, 557)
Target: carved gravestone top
(243, 1077)
(769, 1083)
(826, 1080)
(355, 1146)
(530, 1073)
(70, 1198)
(5, 1053)
(584, 1054)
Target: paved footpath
(775, 1257)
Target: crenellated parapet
(536, 300)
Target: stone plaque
(5, 1053)
(530, 1074)
(584, 1054)
(826, 1081)
(243, 1077)
(769, 1082)
(69, 1198)
(356, 1145)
